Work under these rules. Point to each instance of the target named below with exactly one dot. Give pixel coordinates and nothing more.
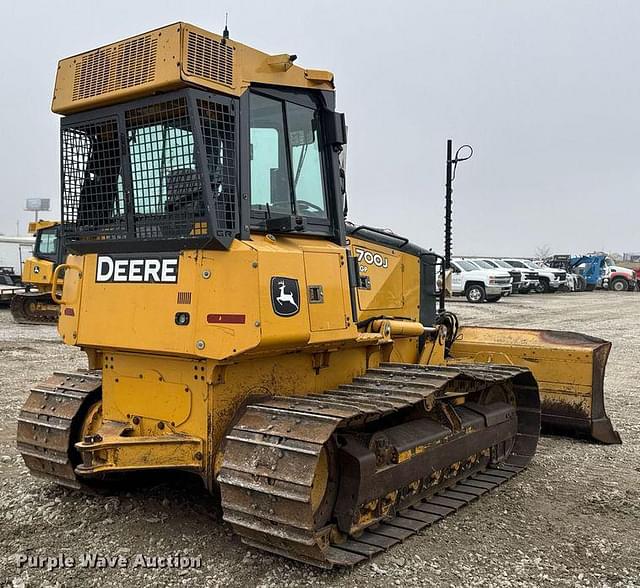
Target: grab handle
(56, 277)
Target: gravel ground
(572, 519)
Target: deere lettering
(147, 270)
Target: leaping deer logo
(285, 296)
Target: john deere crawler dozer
(237, 328)
(36, 305)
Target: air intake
(117, 67)
(184, 298)
(209, 59)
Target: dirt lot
(572, 519)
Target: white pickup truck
(478, 284)
(549, 279)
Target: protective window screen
(302, 124)
(92, 188)
(146, 173)
(270, 179)
(167, 192)
(217, 123)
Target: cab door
(456, 279)
(327, 289)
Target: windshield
(47, 242)
(483, 264)
(286, 173)
(515, 263)
(608, 261)
(466, 265)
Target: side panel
(384, 269)
(226, 309)
(252, 298)
(393, 281)
(38, 272)
(141, 316)
(325, 290)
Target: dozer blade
(569, 368)
(332, 479)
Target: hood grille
(130, 63)
(209, 59)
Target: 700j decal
(371, 258)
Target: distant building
(633, 257)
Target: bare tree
(543, 251)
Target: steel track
(21, 313)
(272, 452)
(48, 423)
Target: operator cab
(197, 169)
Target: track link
(48, 424)
(270, 458)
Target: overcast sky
(547, 92)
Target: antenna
(225, 33)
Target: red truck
(620, 279)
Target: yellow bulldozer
(35, 304)
(238, 328)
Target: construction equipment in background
(34, 304)
(597, 270)
(9, 284)
(575, 281)
(237, 328)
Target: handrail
(56, 278)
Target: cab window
(47, 242)
(285, 154)
(305, 161)
(160, 154)
(270, 179)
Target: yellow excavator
(238, 328)
(35, 305)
